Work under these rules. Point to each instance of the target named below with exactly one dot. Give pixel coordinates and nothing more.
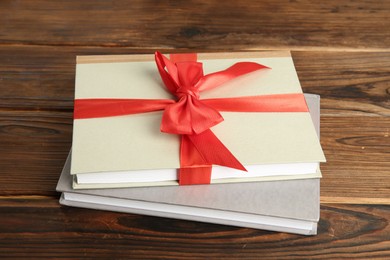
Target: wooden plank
(34, 146)
(50, 231)
(208, 25)
(33, 149)
(38, 44)
(42, 77)
(358, 159)
(350, 84)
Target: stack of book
(124, 163)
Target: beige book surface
(135, 143)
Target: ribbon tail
(213, 151)
(198, 153)
(207, 150)
(216, 79)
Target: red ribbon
(192, 117)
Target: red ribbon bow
(192, 117)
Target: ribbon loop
(189, 73)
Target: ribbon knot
(188, 91)
(189, 115)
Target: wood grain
(34, 146)
(352, 88)
(198, 24)
(345, 231)
(358, 159)
(350, 83)
(340, 49)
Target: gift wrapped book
(142, 120)
(239, 120)
(286, 205)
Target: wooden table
(341, 50)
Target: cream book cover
(267, 144)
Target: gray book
(285, 206)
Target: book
(285, 205)
(126, 151)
